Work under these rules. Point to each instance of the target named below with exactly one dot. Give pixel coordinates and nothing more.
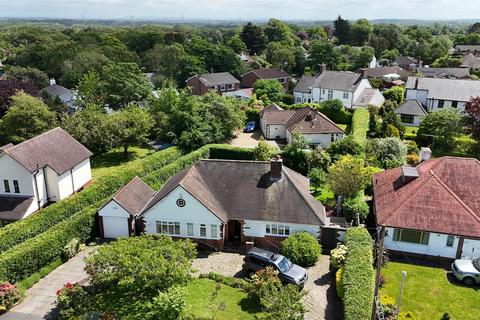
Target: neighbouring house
(408, 63)
(118, 216)
(242, 94)
(67, 96)
(220, 82)
(449, 73)
(430, 210)
(369, 96)
(218, 203)
(279, 124)
(383, 72)
(465, 49)
(44, 169)
(344, 86)
(471, 61)
(435, 94)
(249, 78)
(411, 113)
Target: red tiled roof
(445, 198)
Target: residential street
(321, 300)
(40, 300)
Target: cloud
(243, 9)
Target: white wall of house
(319, 139)
(276, 131)
(257, 228)
(302, 97)
(347, 99)
(81, 174)
(416, 121)
(11, 170)
(65, 185)
(471, 249)
(52, 184)
(114, 220)
(420, 95)
(432, 105)
(364, 83)
(437, 245)
(193, 212)
(41, 187)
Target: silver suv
(288, 272)
(467, 271)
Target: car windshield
(284, 265)
(476, 263)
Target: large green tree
(347, 176)
(269, 90)
(322, 52)
(254, 38)
(27, 117)
(341, 30)
(360, 32)
(440, 128)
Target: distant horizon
(242, 10)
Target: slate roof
(445, 198)
(467, 47)
(406, 61)
(55, 148)
(63, 93)
(338, 80)
(270, 107)
(458, 73)
(269, 73)
(134, 196)
(305, 120)
(470, 61)
(215, 79)
(305, 83)
(412, 107)
(14, 208)
(234, 189)
(382, 71)
(445, 89)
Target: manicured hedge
(358, 277)
(360, 122)
(220, 151)
(20, 231)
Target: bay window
(277, 229)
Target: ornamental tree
(347, 176)
(472, 108)
(441, 127)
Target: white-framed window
(16, 187)
(411, 236)
(450, 240)
(299, 99)
(277, 229)
(332, 138)
(6, 186)
(282, 80)
(190, 229)
(441, 103)
(213, 231)
(345, 95)
(323, 91)
(330, 94)
(203, 231)
(170, 228)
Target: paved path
(40, 300)
(321, 300)
(250, 140)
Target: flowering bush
(337, 256)
(9, 295)
(69, 297)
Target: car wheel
(468, 281)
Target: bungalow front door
(234, 231)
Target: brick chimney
(363, 72)
(276, 165)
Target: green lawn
(199, 301)
(104, 164)
(428, 293)
(411, 130)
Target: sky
(243, 9)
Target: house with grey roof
(221, 83)
(279, 124)
(448, 73)
(65, 95)
(41, 170)
(436, 94)
(408, 63)
(471, 61)
(344, 86)
(465, 49)
(411, 113)
(221, 202)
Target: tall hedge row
(360, 122)
(221, 151)
(358, 277)
(17, 232)
(32, 254)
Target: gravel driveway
(321, 300)
(250, 140)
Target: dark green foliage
(355, 207)
(229, 152)
(345, 146)
(395, 94)
(358, 278)
(254, 38)
(322, 52)
(341, 29)
(302, 248)
(335, 111)
(440, 128)
(269, 90)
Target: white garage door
(471, 248)
(114, 227)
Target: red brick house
(249, 78)
(220, 82)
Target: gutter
(36, 187)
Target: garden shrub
(101, 188)
(355, 206)
(27, 283)
(347, 145)
(360, 124)
(302, 248)
(412, 147)
(359, 275)
(464, 145)
(169, 305)
(339, 282)
(337, 256)
(9, 295)
(406, 316)
(228, 281)
(412, 159)
(229, 152)
(335, 111)
(70, 249)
